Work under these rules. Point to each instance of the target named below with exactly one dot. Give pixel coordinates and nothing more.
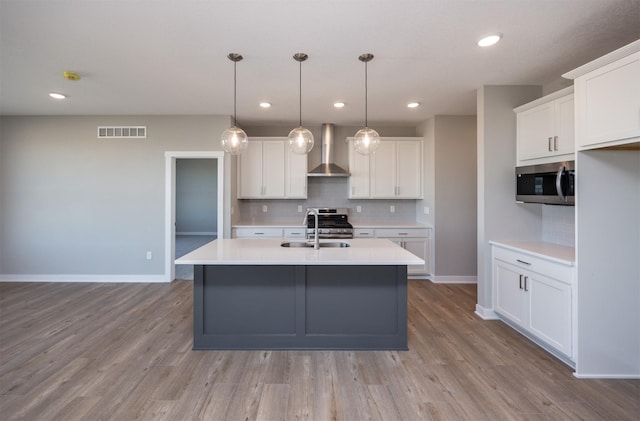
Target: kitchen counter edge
(550, 251)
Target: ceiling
(170, 56)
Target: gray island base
(348, 307)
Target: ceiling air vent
(129, 132)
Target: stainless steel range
(332, 223)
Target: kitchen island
(255, 294)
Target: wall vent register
(122, 132)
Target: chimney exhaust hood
(327, 168)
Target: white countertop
(550, 251)
(245, 251)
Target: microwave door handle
(559, 183)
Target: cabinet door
(273, 168)
(250, 171)
(509, 296)
(359, 174)
(419, 247)
(409, 169)
(608, 103)
(296, 176)
(550, 311)
(383, 171)
(564, 139)
(535, 131)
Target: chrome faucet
(316, 242)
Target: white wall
(499, 217)
(71, 204)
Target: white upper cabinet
(295, 175)
(607, 97)
(268, 170)
(359, 178)
(545, 129)
(394, 171)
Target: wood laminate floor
(123, 351)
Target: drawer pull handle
(403, 233)
(523, 262)
(364, 233)
(259, 233)
(520, 281)
(525, 283)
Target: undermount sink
(310, 244)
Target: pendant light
(300, 139)
(366, 140)
(234, 140)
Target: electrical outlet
(358, 208)
(392, 209)
(149, 255)
(264, 208)
(299, 208)
(426, 210)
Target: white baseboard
(85, 278)
(454, 279)
(197, 233)
(486, 313)
(607, 376)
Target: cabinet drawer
(363, 233)
(295, 233)
(536, 264)
(403, 232)
(257, 232)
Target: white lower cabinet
(415, 240)
(536, 295)
(257, 232)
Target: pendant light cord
(366, 99)
(235, 120)
(300, 90)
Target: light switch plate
(264, 208)
(392, 209)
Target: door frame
(170, 202)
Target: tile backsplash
(559, 225)
(328, 192)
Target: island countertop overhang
(242, 251)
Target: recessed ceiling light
(57, 95)
(338, 104)
(265, 104)
(413, 104)
(489, 40)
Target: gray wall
(450, 194)
(75, 205)
(499, 216)
(196, 196)
(608, 264)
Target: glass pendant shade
(301, 140)
(234, 140)
(366, 141)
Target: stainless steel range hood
(327, 168)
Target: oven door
(552, 184)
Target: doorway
(192, 216)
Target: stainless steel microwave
(552, 184)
